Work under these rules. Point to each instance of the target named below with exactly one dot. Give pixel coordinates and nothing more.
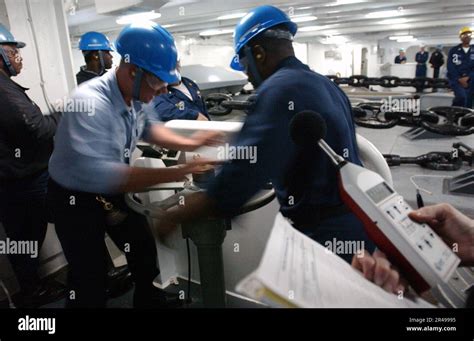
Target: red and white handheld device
(414, 248)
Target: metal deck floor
(390, 141)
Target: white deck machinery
(208, 234)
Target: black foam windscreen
(307, 128)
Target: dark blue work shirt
(175, 105)
(421, 57)
(460, 63)
(399, 59)
(302, 179)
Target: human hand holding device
(456, 229)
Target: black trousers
(24, 215)
(435, 72)
(80, 224)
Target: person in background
(436, 61)
(26, 143)
(450, 224)
(461, 69)
(421, 58)
(401, 58)
(182, 102)
(96, 49)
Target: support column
(42, 26)
(208, 236)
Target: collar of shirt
(184, 89)
(136, 108)
(460, 47)
(291, 61)
(4, 79)
(84, 69)
(119, 102)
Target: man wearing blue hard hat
(96, 49)
(26, 143)
(90, 168)
(305, 180)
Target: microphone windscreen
(307, 128)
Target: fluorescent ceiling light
(400, 37)
(384, 14)
(304, 18)
(406, 40)
(335, 40)
(310, 28)
(168, 25)
(393, 21)
(208, 33)
(305, 7)
(137, 17)
(232, 16)
(343, 2)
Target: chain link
(391, 82)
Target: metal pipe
(335, 158)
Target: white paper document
(296, 271)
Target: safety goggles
(467, 34)
(154, 82)
(243, 62)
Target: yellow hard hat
(465, 29)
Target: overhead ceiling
(435, 20)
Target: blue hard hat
(7, 38)
(254, 23)
(150, 47)
(94, 41)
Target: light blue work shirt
(96, 137)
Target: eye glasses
(154, 82)
(243, 59)
(244, 63)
